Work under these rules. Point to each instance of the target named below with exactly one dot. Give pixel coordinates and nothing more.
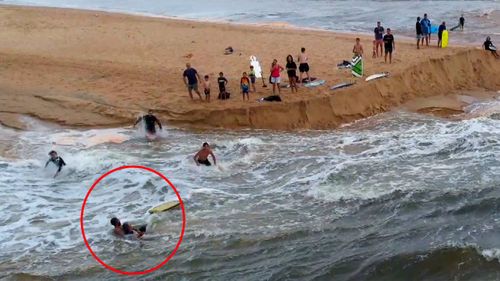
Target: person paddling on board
(202, 156)
(126, 229)
(488, 46)
(150, 122)
(58, 161)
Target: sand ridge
(86, 68)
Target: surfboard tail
(357, 67)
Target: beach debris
(229, 50)
(188, 56)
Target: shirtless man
(150, 122)
(126, 229)
(303, 64)
(358, 48)
(58, 161)
(202, 156)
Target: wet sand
(95, 69)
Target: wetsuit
(205, 162)
(388, 43)
(59, 162)
(149, 121)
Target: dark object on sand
(229, 50)
(271, 98)
(224, 96)
(305, 80)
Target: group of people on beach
(248, 80)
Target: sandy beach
(96, 69)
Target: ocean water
(399, 196)
(482, 16)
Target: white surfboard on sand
(377, 76)
(256, 66)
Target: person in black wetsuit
(461, 22)
(126, 228)
(202, 156)
(150, 122)
(58, 161)
(488, 46)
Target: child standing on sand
(206, 88)
(222, 81)
(245, 85)
(252, 78)
(358, 48)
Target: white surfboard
(377, 76)
(256, 66)
(314, 83)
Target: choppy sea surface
(399, 196)
(482, 16)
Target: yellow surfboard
(164, 207)
(444, 40)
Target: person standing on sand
(291, 70)
(303, 64)
(191, 78)
(358, 48)
(206, 88)
(222, 81)
(253, 78)
(420, 35)
(461, 22)
(389, 45)
(245, 86)
(275, 76)
(202, 156)
(426, 30)
(379, 35)
(441, 29)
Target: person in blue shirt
(442, 28)
(191, 77)
(426, 29)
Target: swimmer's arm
(196, 158)
(61, 162)
(213, 156)
(158, 122)
(118, 232)
(137, 121)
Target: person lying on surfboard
(126, 229)
(58, 161)
(150, 122)
(202, 156)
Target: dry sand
(84, 68)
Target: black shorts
(304, 67)
(222, 89)
(207, 92)
(205, 162)
(388, 50)
(252, 79)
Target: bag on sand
(224, 96)
(272, 98)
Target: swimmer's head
(53, 154)
(150, 111)
(115, 222)
(357, 40)
(205, 145)
(251, 67)
(302, 49)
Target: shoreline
(101, 69)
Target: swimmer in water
(150, 122)
(202, 156)
(58, 161)
(126, 229)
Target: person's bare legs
(390, 57)
(385, 59)
(279, 89)
(308, 77)
(300, 77)
(190, 91)
(199, 95)
(274, 88)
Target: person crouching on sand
(275, 76)
(202, 156)
(245, 86)
(488, 46)
(358, 48)
(126, 229)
